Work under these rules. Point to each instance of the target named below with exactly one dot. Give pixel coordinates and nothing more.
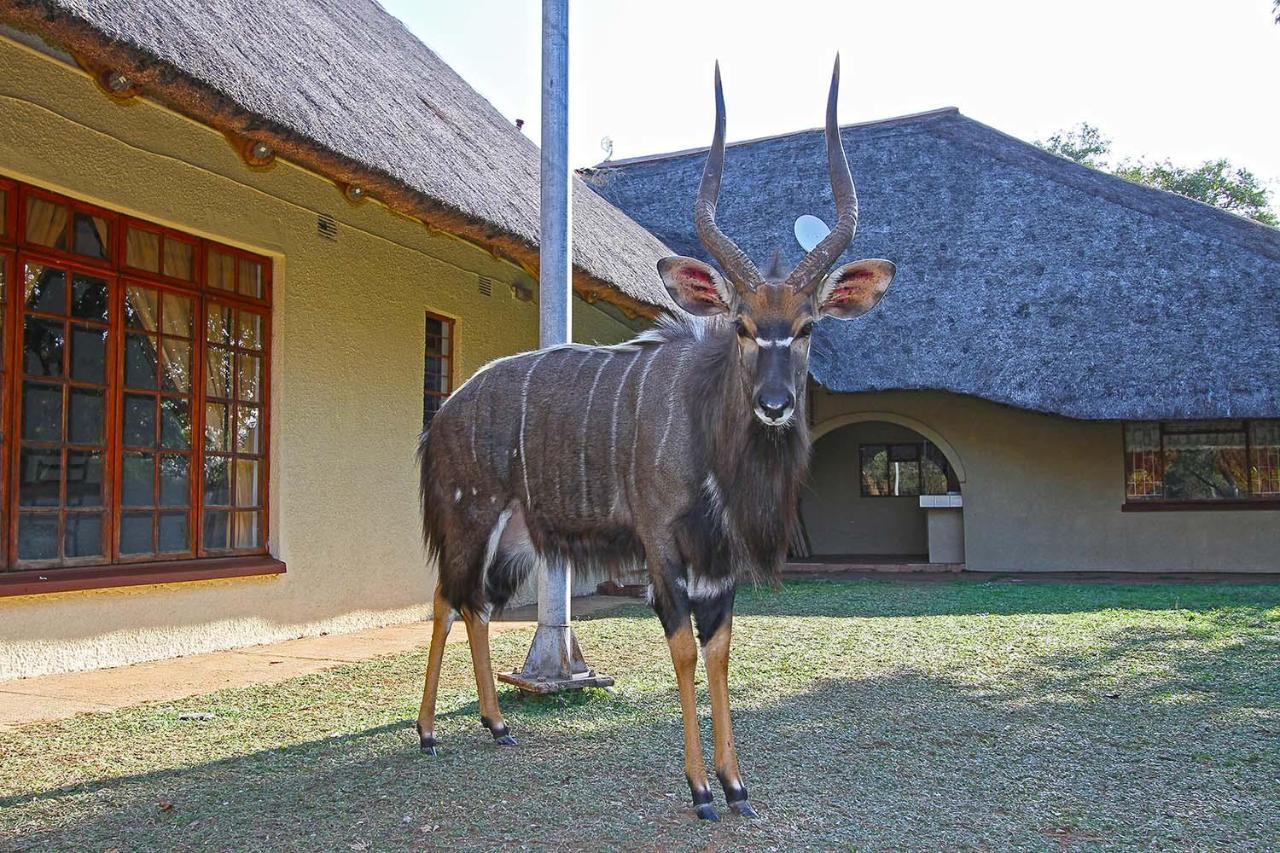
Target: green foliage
(1215, 182)
(1083, 143)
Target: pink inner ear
(695, 273)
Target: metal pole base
(554, 664)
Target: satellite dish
(809, 231)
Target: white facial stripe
(768, 343)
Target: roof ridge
(907, 118)
(1195, 215)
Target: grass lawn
(870, 714)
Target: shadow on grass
(1152, 737)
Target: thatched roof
(1023, 278)
(342, 87)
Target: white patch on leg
(457, 495)
(699, 588)
(719, 511)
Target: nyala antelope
(681, 450)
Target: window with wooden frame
(437, 373)
(1188, 464)
(905, 470)
(135, 393)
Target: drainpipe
(555, 662)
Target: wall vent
(486, 286)
(326, 227)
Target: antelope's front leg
(672, 607)
(715, 631)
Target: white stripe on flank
(671, 402)
(613, 432)
(475, 416)
(524, 412)
(644, 375)
(586, 418)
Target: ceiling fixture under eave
(354, 193)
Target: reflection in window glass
(90, 236)
(905, 470)
(437, 367)
(1202, 460)
(46, 223)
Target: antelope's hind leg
(490, 713)
(714, 615)
(441, 621)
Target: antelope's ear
(695, 286)
(854, 289)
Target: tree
(1215, 182)
(1083, 143)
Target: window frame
(451, 326)
(23, 577)
(1251, 501)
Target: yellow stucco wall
(347, 372)
(1043, 493)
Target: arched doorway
(883, 488)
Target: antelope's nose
(775, 405)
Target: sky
(1187, 80)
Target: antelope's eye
(805, 330)
(743, 331)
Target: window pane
(46, 223)
(38, 536)
(904, 477)
(221, 270)
(217, 530)
(1142, 461)
(83, 536)
(85, 419)
(246, 482)
(137, 480)
(91, 236)
(140, 307)
(175, 366)
(135, 533)
(140, 361)
(46, 289)
(250, 278)
(84, 478)
(249, 369)
(249, 330)
(139, 420)
(41, 412)
(875, 469)
(247, 429)
(173, 532)
(89, 298)
(175, 480)
(88, 354)
(142, 249)
(1205, 466)
(217, 485)
(217, 427)
(218, 324)
(936, 475)
(1265, 441)
(175, 424)
(179, 259)
(39, 477)
(43, 342)
(177, 315)
(218, 373)
(247, 530)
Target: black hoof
(426, 743)
(743, 809)
(501, 732)
(706, 811)
(504, 740)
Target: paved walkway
(55, 697)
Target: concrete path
(55, 697)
